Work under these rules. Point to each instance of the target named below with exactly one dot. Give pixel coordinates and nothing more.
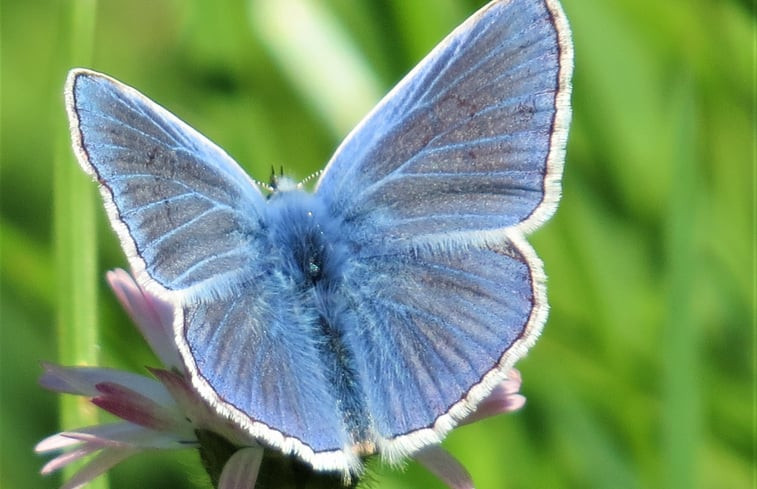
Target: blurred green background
(644, 375)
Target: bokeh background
(644, 375)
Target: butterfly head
(280, 183)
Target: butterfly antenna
(270, 185)
(310, 178)
(264, 185)
(281, 183)
(275, 179)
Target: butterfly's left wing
(434, 331)
(435, 190)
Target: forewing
(439, 330)
(472, 139)
(185, 212)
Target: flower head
(165, 412)
(158, 412)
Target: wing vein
(178, 228)
(146, 116)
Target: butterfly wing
(184, 210)
(435, 332)
(192, 225)
(472, 139)
(435, 189)
(258, 359)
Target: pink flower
(505, 398)
(165, 412)
(159, 412)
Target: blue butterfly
(373, 314)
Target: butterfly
(373, 314)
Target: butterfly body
(304, 229)
(375, 313)
(316, 262)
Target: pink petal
(99, 464)
(116, 440)
(177, 385)
(83, 381)
(513, 381)
(445, 467)
(113, 434)
(241, 470)
(121, 434)
(190, 403)
(57, 441)
(153, 316)
(126, 434)
(66, 458)
(198, 411)
(137, 408)
(503, 399)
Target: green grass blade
(75, 245)
(681, 376)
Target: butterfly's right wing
(471, 140)
(186, 214)
(193, 226)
